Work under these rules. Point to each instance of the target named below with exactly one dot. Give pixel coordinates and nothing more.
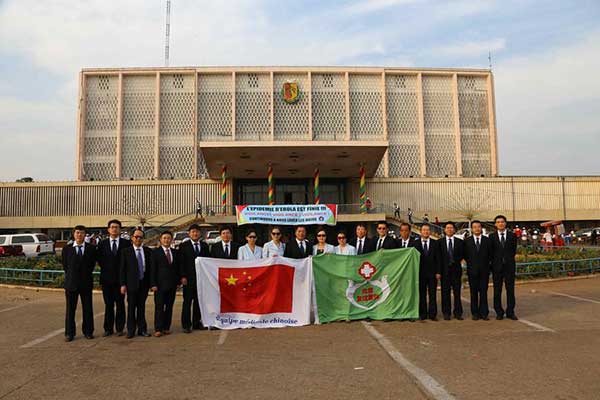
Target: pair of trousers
(71, 297)
(163, 309)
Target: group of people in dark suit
(442, 260)
(128, 269)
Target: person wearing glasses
(275, 247)
(383, 240)
(343, 247)
(322, 246)
(250, 251)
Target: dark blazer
(292, 250)
(458, 253)
(188, 259)
(109, 263)
(129, 275)
(411, 242)
(79, 270)
(368, 245)
(216, 250)
(388, 243)
(503, 257)
(431, 263)
(478, 262)
(162, 275)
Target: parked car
(179, 238)
(33, 244)
(213, 237)
(11, 250)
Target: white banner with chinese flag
(268, 293)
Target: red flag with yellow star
(257, 290)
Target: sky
(545, 58)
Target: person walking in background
(250, 251)
(343, 247)
(426, 218)
(78, 261)
(396, 211)
(134, 276)
(410, 216)
(275, 247)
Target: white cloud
(473, 49)
(368, 6)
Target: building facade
(186, 123)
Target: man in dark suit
(383, 240)
(299, 246)
(504, 245)
(189, 251)
(109, 259)
(429, 273)
(361, 242)
(226, 248)
(405, 241)
(165, 277)
(478, 255)
(135, 282)
(452, 252)
(78, 262)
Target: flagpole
(362, 191)
(270, 182)
(316, 188)
(224, 188)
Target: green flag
(379, 285)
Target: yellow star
(231, 280)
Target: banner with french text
(310, 214)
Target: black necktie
(114, 247)
(425, 248)
(79, 251)
(380, 244)
(477, 243)
(450, 250)
(502, 241)
(196, 250)
(302, 247)
(360, 246)
(227, 249)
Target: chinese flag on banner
(256, 290)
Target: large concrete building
(152, 142)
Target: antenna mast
(167, 33)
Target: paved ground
(553, 352)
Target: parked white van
(34, 244)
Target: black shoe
(106, 334)
(68, 338)
(144, 334)
(90, 336)
(422, 318)
(130, 336)
(499, 317)
(475, 317)
(120, 333)
(513, 317)
(486, 318)
(198, 327)
(433, 318)
(187, 330)
(459, 317)
(447, 318)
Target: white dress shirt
(75, 245)
(245, 253)
(404, 243)
(270, 249)
(348, 250)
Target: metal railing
(38, 277)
